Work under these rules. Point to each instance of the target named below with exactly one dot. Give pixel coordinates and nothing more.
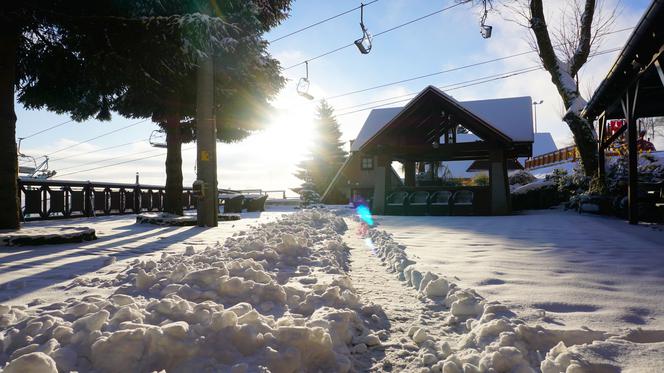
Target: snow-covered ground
(40, 272)
(547, 291)
(582, 270)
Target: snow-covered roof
(375, 121)
(543, 144)
(512, 116)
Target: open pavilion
(425, 130)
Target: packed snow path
(554, 267)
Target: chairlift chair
(363, 43)
(157, 138)
(485, 30)
(303, 84)
(28, 167)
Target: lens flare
(365, 215)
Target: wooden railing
(561, 155)
(58, 199)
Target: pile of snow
(536, 185)
(481, 336)
(275, 297)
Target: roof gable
(511, 117)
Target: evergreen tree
(326, 153)
(88, 58)
(246, 77)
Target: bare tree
(563, 50)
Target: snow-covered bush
(308, 195)
(540, 194)
(521, 177)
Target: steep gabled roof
(511, 117)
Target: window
(367, 163)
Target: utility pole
(207, 209)
(535, 103)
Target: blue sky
(267, 160)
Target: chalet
(426, 130)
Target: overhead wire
(117, 164)
(320, 22)
(406, 80)
(46, 129)
(113, 158)
(97, 137)
(379, 34)
(460, 85)
(97, 150)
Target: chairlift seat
(157, 139)
(364, 44)
(485, 31)
(439, 203)
(303, 88)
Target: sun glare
(289, 134)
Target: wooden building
(633, 89)
(425, 130)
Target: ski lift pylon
(303, 84)
(363, 43)
(157, 139)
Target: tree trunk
(584, 138)
(9, 199)
(173, 198)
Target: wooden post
(382, 183)
(500, 192)
(601, 159)
(206, 145)
(629, 105)
(409, 173)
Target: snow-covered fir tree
(326, 153)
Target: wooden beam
(629, 105)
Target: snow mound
(238, 306)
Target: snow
(485, 334)
(315, 290)
(224, 307)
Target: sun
(289, 133)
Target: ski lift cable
(119, 163)
(98, 150)
(98, 137)
(380, 33)
(457, 86)
(447, 90)
(408, 95)
(46, 129)
(480, 63)
(320, 22)
(152, 150)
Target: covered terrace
(425, 130)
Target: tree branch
(585, 38)
(544, 45)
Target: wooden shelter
(633, 89)
(425, 131)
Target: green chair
(396, 203)
(418, 203)
(462, 203)
(439, 203)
